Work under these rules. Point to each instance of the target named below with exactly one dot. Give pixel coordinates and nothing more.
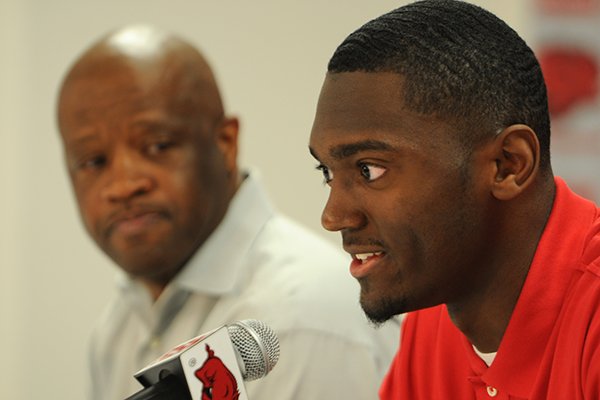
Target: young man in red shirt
(432, 131)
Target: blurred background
(270, 59)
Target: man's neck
(484, 313)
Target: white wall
(270, 58)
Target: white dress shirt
(256, 265)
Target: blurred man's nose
(126, 178)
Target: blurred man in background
(152, 158)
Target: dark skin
(436, 223)
(150, 153)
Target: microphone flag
(209, 364)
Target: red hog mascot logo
(219, 383)
(572, 77)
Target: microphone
(213, 365)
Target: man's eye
(93, 163)
(371, 172)
(158, 147)
(327, 175)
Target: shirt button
(492, 391)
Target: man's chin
(379, 311)
(376, 320)
(139, 261)
(150, 272)
(136, 249)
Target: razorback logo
(218, 382)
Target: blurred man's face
(150, 176)
(402, 194)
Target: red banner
(568, 47)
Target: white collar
(216, 267)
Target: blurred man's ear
(227, 141)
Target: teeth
(365, 256)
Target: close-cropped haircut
(459, 62)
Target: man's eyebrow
(313, 153)
(346, 150)
(82, 139)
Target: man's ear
(227, 141)
(517, 155)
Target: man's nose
(127, 179)
(341, 212)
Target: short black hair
(459, 62)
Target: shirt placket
(484, 391)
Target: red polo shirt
(551, 347)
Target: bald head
(150, 153)
(154, 60)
